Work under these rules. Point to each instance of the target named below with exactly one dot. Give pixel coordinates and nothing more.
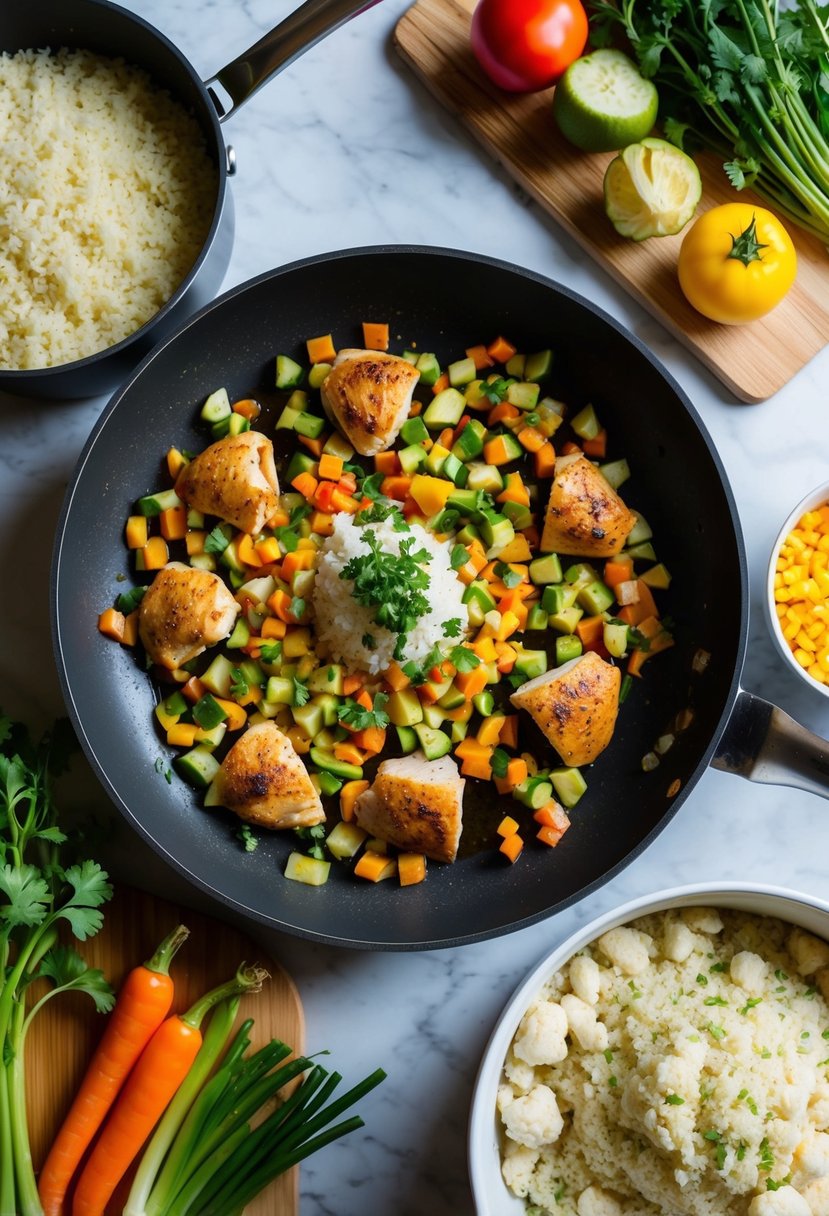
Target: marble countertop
(345, 148)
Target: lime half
(651, 189)
(603, 103)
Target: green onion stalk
(745, 79)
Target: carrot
(155, 553)
(387, 463)
(111, 623)
(375, 867)
(248, 408)
(411, 868)
(511, 846)
(618, 570)
(500, 350)
(349, 794)
(440, 384)
(176, 461)
(502, 412)
(173, 523)
(480, 356)
(496, 451)
(545, 461)
(375, 335)
(143, 1003)
(137, 531)
(597, 446)
(305, 484)
(314, 446)
(331, 467)
(160, 1070)
(507, 827)
(321, 350)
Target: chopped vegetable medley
(473, 475)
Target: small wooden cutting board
(65, 1033)
(754, 360)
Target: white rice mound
(676, 1066)
(106, 199)
(341, 623)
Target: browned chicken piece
(585, 515)
(263, 781)
(368, 394)
(235, 478)
(416, 805)
(184, 611)
(575, 705)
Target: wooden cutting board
(64, 1034)
(754, 360)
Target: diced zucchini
(198, 767)
(407, 739)
(643, 552)
(533, 792)
(538, 365)
(484, 703)
(229, 557)
(457, 731)
(463, 500)
(279, 691)
(568, 784)
(207, 712)
(345, 839)
(317, 374)
(219, 676)
(414, 430)
(310, 425)
(336, 444)
(580, 574)
(531, 663)
(327, 762)
(586, 423)
(411, 356)
(462, 372)
(537, 617)
(286, 420)
(515, 366)
(327, 679)
(596, 597)
(154, 504)
(657, 576)
(523, 395)
(496, 531)
(545, 570)
(170, 710)
(615, 637)
(309, 870)
(434, 743)
(328, 706)
(329, 784)
(568, 647)
(432, 717)
(216, 407)
(240, 635)
(435, 459)
(195, 519)
(483, 476)
(519, 516)
(412, 457)
(309, 717)
(444, 410)
(454, 470)
(299, 463)
(289, 373)
(237, 423)
(467, 534)
(640, 531)
(211, 738)
(404, 708)
(512, 447)
(470, 442)
(203, 561)
(615, 472)
(566, 620)
(429, 368)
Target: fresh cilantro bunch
(38, 893)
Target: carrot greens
(745, 78)
(37, 892)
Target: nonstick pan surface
(442, 301)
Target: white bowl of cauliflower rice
(671, 1058)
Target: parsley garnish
(316, 835)
(370, 487)
(452, 627)
(247, 838)
(360, 718)
(458, 557)
(393, 584)
(675, 1100)
(301, 693)
(128, 601)
(297, 607)
(216, 541)
(508, 576)
(463, 659)
(239, 686)
(271, 652)
(499, 761)
(495, 390)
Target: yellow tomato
(736, 263)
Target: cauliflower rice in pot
(106, 197)
(677, 1065)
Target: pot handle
(235, 84)
(764, 744)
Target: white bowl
(816, 498)
(492, 1197)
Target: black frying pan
(108, 29)
(442, 301)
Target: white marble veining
(345, 148)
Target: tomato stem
(745, 247)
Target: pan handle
(764, 744)
(235, 84)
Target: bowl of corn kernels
(797, 589)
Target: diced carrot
(552, 834)
(353, 683)
(445, 439)
(411, 868)
(597, 446)
(500, 350)
(280, 519)
(246, 551)
(314, 446)
(111, 624)
(634, 614)
(550, 815)
(515, 774)
(440, 384)
(280, 605)
(514, 490)
(590, 629)
(506, 657)
(496, 451)
(343, 502)
(324, 496)
(415, 408)
(375, 866)
(371, 739)
(363, 699)
(193, 690)
(322, 349)
(176, 461)
(518, 550)
(489, 731)
(477, 768)
(485, 649)
(502, 412)
(182, 734)
(618, 570)
(545, 461)
(511, 846)
(347, 482)
(471, 682)
(137, 531)
(470, 748)
(155, 553)
(299, 559)
(268, 550)
(375, 335)
(507, 827)
(396, 677)
(348, 752)
(236, 716)
(509, 736)
(531, 438)
(462, 423)
(430, 493)
(331, 467)
(387, 463)
(305, 484)
(248, 408)
(130, 636)
(569, 448)
(480, 356)
(397, 486)
(273, 627)
(321, 522)
(349, 794)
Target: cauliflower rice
(342, 623)
(676, 1065)
(106, 199)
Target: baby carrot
(143, 1003)
(161, 1068)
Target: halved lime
(651, 189)
(603, 103)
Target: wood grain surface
(65, 1033)
(754, 360)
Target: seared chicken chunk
(415, 804)
(235, 478)
(184, 611)
(368, 395)
(585, 515)
(263, 781)
(575, 705)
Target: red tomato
(525, 45)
